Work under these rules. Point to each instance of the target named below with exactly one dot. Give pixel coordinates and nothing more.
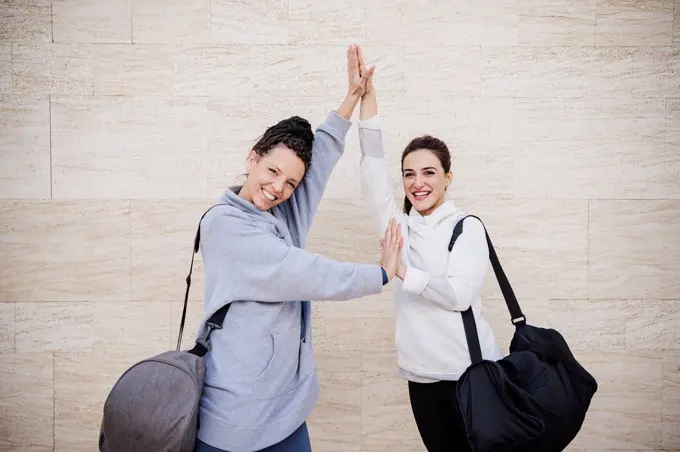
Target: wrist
(353, 95)
(401, 271)
(348, 105)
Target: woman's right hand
(366, 72)
(391, 245)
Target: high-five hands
(358, 75)
(366, 71)
(390, 245)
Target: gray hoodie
(261, 382)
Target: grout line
(54, 404)
(130, 294)
(49, 100)
(52, 20)
(14, 326)
(588, 251)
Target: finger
(388, 232)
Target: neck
(245, 192)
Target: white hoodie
(438, 285)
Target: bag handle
(217, 319)
(516, 315)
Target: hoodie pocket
(279, 375)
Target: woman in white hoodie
(433, 286)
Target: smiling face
(273, 177)
(425, 180)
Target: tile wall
(121, 120)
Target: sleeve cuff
(415, 280)
(370, 123)
(337, 125)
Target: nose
(419, 182)
(278, 186)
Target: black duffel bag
(533, 400)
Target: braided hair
(295, 133)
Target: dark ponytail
(432, 144)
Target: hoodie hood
(266, 218)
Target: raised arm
(259, 266)
(464, 277)
(375, 183)
(328, 147)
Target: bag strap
(217, 319)
(516, 315)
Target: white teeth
(268, 195)
(421, 193)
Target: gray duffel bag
(153, 407)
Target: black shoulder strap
(217, 319)
(516, 315)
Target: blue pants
(298, 441)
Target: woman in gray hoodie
(261, 382)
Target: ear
(253, 158)
(449, 178)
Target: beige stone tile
(652, 324)
(82, 381)
(671, 401)
(626, 410)
(631, 23)
(640, 71)
(56, 69)
(163, 21)
(676, 21)
(458, 74)
(592, 169)
(591, 325)
(307, 71)
(673, 121)
(129, 147)
(105, 327)
(541, 244)
(336, 419)
(387, 422)
(609, 120)
(343, 230)
(92, 21)
(540, 72)
(484, 22)
(557, 23)
(65, 250)
(249, 22)
(26, 20)
(24, 147)
(326, 21)
(26, 402)
(5, 67)
(6, 327)
(633, 251)
(133, 70)
(478, 132)
(162, 243)
(236, 124)
(356, 324)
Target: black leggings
(435, 408)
